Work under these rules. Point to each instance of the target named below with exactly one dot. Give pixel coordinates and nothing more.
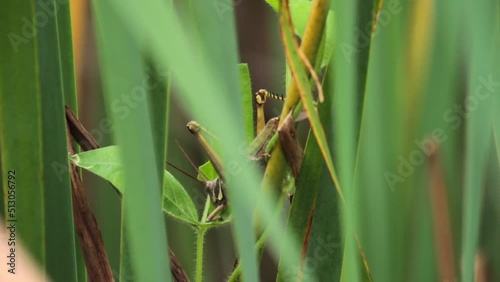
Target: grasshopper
(257, 150)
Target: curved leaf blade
(304, 87)
(106, 163)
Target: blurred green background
(411, 117)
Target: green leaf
(177, 202)
(208, 171)
(106, 162)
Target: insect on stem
(214, 158)
(214, 188)
(260, 99)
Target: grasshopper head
(260, 97)
(193, 126)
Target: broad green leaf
(106, 162)
(177, 202)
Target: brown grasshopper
(256, 150)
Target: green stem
(199, 254)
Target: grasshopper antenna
(191, 162)
(185, 173)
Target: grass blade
(248, 101)
(21, 124)
(302, 82)
(142, 207)
(482, 28)
(60, 236)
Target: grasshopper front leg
(217, 192)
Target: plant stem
(200, 232)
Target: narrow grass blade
(60, 236)
(33, 127)
(247, 99)
(65, 36)
(483, 58)
(159, 97)
(433, 88)
(21, 138)
(304, 213)
(142, 207)
(376, 210)
(302, 82)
